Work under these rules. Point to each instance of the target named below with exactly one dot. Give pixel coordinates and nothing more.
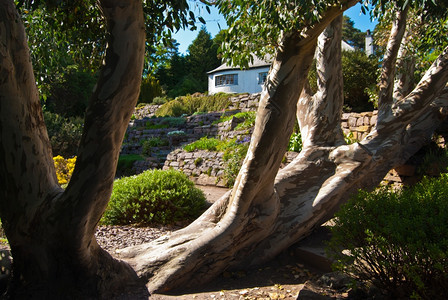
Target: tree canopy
(66, 33)
(187, 74)
(352, 35)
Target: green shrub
(125, 163)
(154, 196)
(204, 143)
(398, 240)
(360, 74)
(295, 142)
(149, 89)
(159, 100)
(192, 104)
(64, 133)
(234, 154)
(173, 108)
(147, 145)
(248, 116)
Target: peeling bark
(404, 79)
(386, 85)
(230, 231)
(268, 211)
(51, 231)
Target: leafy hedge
(398, 240)
(154, 196)
(64, 133)
(192, 104)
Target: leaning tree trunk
(267, 210)
(236, 224)
(51, 231)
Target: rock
(311, 291)
(335, 280)
(204, 179)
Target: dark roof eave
(238, 68)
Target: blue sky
(215, 21)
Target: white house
(230, 79)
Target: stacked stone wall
(205, 167)
(245, 102)
(146, 111)
(208, 167)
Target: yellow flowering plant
(64, 168)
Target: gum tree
(268, 210)
(51, 230)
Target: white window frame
(262, 77)
(226, 79)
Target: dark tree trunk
(51, 231)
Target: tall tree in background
(183, 75)
(202, 57)
(353, 36)
(173, 70)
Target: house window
(228, 79)
(262, 77)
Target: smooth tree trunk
(404, 79)
(51, 231)
(233, 228)
(269, 210)
(387, 77)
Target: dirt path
(212, 193)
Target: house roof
(258, 63)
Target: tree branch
(319, 116)
(405, 70)
(386, 85)
(108, 114)
(430, 86)
(27, 174)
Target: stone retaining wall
(359, 124)
(147, 111)
(205, 167)
(245, 102)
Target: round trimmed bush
(398, 240)
(154, 196)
